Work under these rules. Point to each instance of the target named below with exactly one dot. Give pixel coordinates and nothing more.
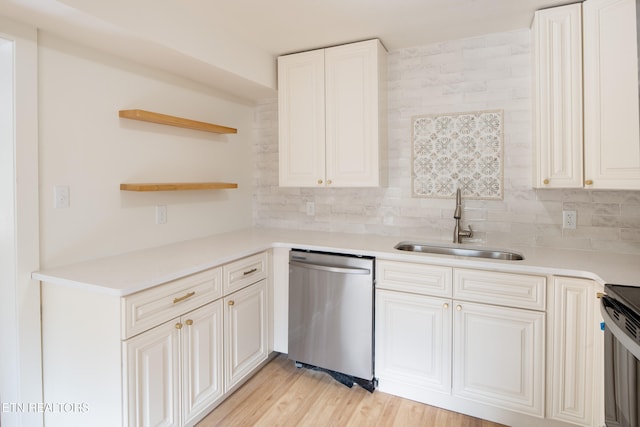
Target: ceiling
(232, 45)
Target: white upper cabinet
(558, 104)
(612, 136)
(301, 119)
(331, 107)
(591, 120)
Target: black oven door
(622, 366)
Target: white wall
(86, 146)
(481, 73)
(20, 358)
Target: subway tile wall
(480, 73)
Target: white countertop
(135, 271)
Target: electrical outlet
(161, 214)
(569, 219)
(311, 208)
(61, 196)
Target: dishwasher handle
(330, 268)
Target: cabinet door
(413, 343)
(499, 356)
(353, 88)
(612, 136)
(573, 350)
(558, 137)
(202, 360)
(301, 117)
(246, 333)
(152, 377)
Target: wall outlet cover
(569, 220)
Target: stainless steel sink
(459, 251)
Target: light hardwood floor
(283, 395)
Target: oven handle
(330, 268)
(617, 331)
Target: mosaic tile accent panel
(460, 150)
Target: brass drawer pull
(182, 298)
(253, 270)
(231, 302)
(189, 322)
(178, 325)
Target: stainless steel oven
(621, 313)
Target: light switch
(161, 214)
(311, 208)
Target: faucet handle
(467, 234)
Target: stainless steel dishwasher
(331, 309)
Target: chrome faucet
(458, 234)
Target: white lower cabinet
(153, 377)
(576, 353)
(500, 347)
(245, 332)
(180, 358)
(498, 355)
(183, 359)
(164, 356)
(413, 342)
(202, 361)
(195, 359)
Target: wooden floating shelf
(164, 119)
(178, 186)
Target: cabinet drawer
(508, 289)
(146, 309)
(244, 272)
(415, 278)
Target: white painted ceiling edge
(231, 46)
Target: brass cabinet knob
(319, 181)
(329, 182)
(458, 307)
(545, 182)
(445, 305)
(588, 182)
(178, 325)
(599, 294)
(189, 322)
(231, 302)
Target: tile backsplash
(458, 151)
(492, 72)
